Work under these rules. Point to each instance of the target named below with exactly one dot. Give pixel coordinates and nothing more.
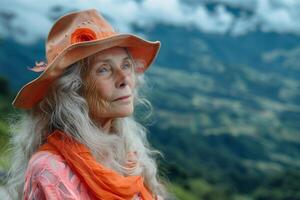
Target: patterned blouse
(48, 177)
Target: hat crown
(74, 28)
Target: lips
(123, 97)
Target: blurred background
(225, 87)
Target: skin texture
(109, 75)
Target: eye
(127, 65)
(104, 68)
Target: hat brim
(34, 91)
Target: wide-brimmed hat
(73, 37)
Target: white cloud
(280, 16)
(218, 22)
(268, 15)
(244, 25)
(33, 19)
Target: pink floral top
(49, 177)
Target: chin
(123, 115)
(124, 112)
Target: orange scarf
(104, 183)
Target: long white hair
(66, 109)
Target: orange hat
(73, 37)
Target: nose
(122, 79)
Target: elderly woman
(79, 139)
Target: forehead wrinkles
(86, 65)
(111, 56)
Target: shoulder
(44, 160)
(49, 175)
(42, 176)
(47, 167)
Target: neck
(105, 124)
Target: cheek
(103, 91)
(97, 99)
(133, 81)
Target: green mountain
(226, 110)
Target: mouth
(122, 98)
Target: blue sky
(29, 20)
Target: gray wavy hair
(63, 106)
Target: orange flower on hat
(82, 35)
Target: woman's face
(109, 77)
